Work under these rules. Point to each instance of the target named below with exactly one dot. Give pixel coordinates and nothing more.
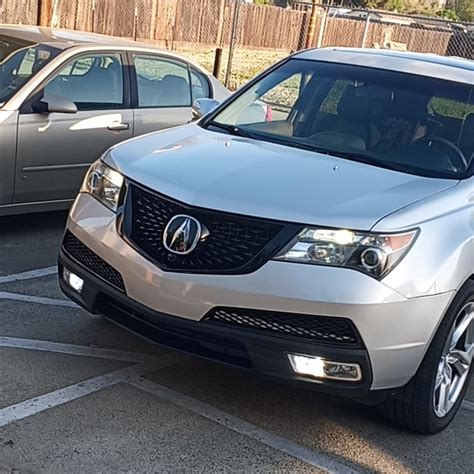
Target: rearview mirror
(202, 107)
(55, 103)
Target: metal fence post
(312, 26)
(366, 30)
(233, 34)
(322, 28)
(135, 23)
(220, 27)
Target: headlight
(104, 184)
(374, 254)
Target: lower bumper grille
(317, 328)
(188, 338)
(87, 258)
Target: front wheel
(430, 401)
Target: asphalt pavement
(79, 394)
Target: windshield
(408, 123)
(19, 61)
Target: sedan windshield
(19, 61)
(408, 123)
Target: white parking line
(40, 272)
(5, 295)
(316, 459)
(73, 349)
(72, 392)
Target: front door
(54, 150)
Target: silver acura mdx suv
(327, 239)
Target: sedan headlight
(104, 184)
(374, 254)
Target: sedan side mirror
(202, 107)
(55, 103)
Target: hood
(243, 176)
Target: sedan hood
(243, 176)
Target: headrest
(469, 123)
(175, 85)
(409, 105)
(354, 103)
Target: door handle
(117, 126)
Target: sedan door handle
(117, 126)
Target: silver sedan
(65, 97)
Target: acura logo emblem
(182, 234)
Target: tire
(415, 405)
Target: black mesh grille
(234, 244)
(86, 257)
(316, 328)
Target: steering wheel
(454, 151)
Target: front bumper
(395, 330)
(263, 354)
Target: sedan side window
(200, 85)
(78, 68)
(162, 82)
(92, 82)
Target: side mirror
(202, 107)
(54, 103)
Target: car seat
(354, 117)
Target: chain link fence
(252, 37)
(19, 12)
(336, 26)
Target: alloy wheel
(455, 362)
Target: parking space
(78, 393)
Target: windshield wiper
(232, 129)
(363, 158)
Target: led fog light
(324, 369)
(75, 282)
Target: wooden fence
(19, 12)
(197, 23)
(203, 22)
(350, 32)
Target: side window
(78, 68)
(200, 85)
(92, 82)
(33, 60)
(275, 105)
(282, 98)
(449, 108)
(162, 82)
(329, 104)
(27, 63)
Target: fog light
(74, 281)
(324, 369)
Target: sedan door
(163, 91)
(55, 149)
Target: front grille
(87, 258)
(316, 328)
(234, 244)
